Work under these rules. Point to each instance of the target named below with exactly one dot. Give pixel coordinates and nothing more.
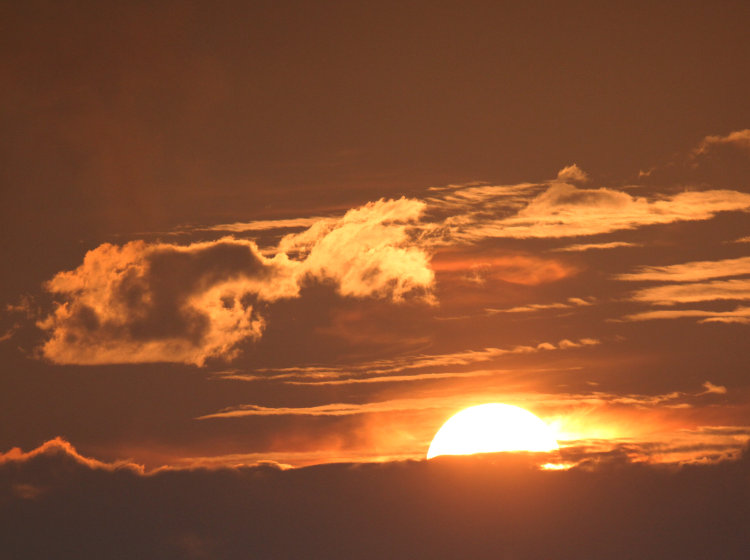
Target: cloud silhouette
(493, 506)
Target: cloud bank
(55, 505)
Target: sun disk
(487, 428)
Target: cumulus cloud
(738, 138)
(370, 251)
(563, 210)
(144, 302)
(572, 174)
(161, 302)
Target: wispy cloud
(674, 399)
(265, 225)
(741, 315)
(690, 271)
(716, 389)
(691, 283)
(387, 370)
(564, 210)
(569, 304)
(671, 294)
(334, 409)
(738, 138)
(579, 247)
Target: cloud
(671, 294)
(738, 138)
(690, 271)
(563, 210)
(265, 225)
(741, 315)
(716, 389)
(499, 505)
(579, 247)
(572, 174)
(370, 251)
(693, 282)
(58, 448)
(493, 199)
(533, 307)
(156, 302)
(334, 409)
(385, 370)
(7, 335)
(160, 302)
(569, 401)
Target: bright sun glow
(487, 428)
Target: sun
(487, 428)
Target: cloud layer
(55, 503)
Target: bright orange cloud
(144, 302)
(563, 210)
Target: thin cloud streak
(690, 271)
(534, 307)
(674, 399)
(580, 247)
(672, 294)
(374, 369)
(266, 225)
(741, 315)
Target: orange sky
(313, 233)
(300, 233)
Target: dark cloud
(493, 506)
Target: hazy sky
(297, 233)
